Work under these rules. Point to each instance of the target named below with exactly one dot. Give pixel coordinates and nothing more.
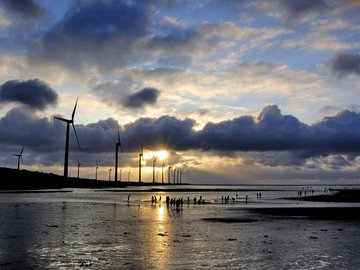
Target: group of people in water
(178, 202)
(226, 199)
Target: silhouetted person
(246, 198)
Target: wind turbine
(68, 122)
(175, 175)
(141, 158)
(19, 156)
(154, 161)
(78, 162)
(169, 174)
(109, 174)
(162, 173)
(118, 144)
(181, 173)
(97, 166)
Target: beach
(123, 229)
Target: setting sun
(161, 155)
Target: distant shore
(335, 195)
(13, 179)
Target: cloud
(21, 126)
(295, 11)
(105, 34)
(163, 131)
(271, 138)
(26, 9)
(345, 64)
(138, 100)
(34, 93)
(270, 131)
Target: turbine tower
(162, 173)
(118, 144)
(68, 122)
(97, 166)
(175, 176)
(78, 173)
(141, 158)
(19, 156)
(169, 174)
(154, 161)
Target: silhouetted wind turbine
(97, 166)
(19, 156)
(141, 158)
(181, 173)
(78, 162)
(175, 176)
(169, 174)
(68, 122)
(154, 161)
(109, 174)
(118, 144)
(162, 173)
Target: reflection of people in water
(246, 198)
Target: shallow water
(100, 229)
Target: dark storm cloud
(24, 9)
(168, 131)
(101, 33)
(23, 127)
(270, 131)
(345, 64)
(138, 100)
(284, 139)
(35, 93)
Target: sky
(234, 92)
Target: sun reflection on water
(160, 236)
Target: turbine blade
(77, 139)
(22, 149)
(119, 142)
(22, 160)
(118, 134)
(62, 119)
(73, 113)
